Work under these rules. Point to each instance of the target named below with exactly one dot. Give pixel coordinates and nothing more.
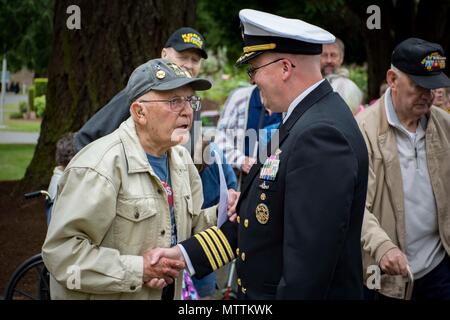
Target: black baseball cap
(187, 38)
(161, 75)
(423, 61)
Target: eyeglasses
(178, 103)
(252, 71)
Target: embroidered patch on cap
(434, 61)
(192, 38)
(179, 71)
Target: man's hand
(233, 197)
(159, 271)
(248, 163)
(394, 262)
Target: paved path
(7, 137)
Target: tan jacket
(384, 221)
(110, 208)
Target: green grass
(14, 160)
(21, 125)
(18, 125)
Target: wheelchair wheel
(30, 281)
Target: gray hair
(341, 47)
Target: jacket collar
(134, 152)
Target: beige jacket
(384, 221)
(110, 208)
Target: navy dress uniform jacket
(304, 242)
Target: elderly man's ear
(137, 112)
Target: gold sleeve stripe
(212, 246)
(224, 241)
(206, 251)
(219, 245)
(260, 47)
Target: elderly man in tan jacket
(128, 192)
(407, 217)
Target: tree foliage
(26, 29)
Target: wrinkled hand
(159, 271)
(248, 163)
(233, 197)
(394, 262)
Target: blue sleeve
(230, 176)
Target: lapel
(322, 90)
(387, 144)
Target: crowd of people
(304, 186)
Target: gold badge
(263, 196)
(160, 74)
(262, 213)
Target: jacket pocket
(135, 222)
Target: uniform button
(243, 256)
(132, 288)
(263, 196)
(239, 219)
(163, 232)
(237, 251)
(239, 282)
(246, 223)
(244, 290)
(136, 215)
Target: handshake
(163, 265)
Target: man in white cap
(300, 211)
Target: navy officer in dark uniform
(300, 212)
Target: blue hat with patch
(264, 32)
(422, 61)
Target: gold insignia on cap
(434, 61)
(262, 213)
(160, 74)
(260, 47)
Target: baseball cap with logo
(423, 61)
(187, 38)
(161, 75)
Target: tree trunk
(378, 43)
(89, 66)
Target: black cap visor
(431, 82)
(246, 57)
(186, 46)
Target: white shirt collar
(299, 99)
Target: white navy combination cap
(263, 32)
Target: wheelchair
(31, 280)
